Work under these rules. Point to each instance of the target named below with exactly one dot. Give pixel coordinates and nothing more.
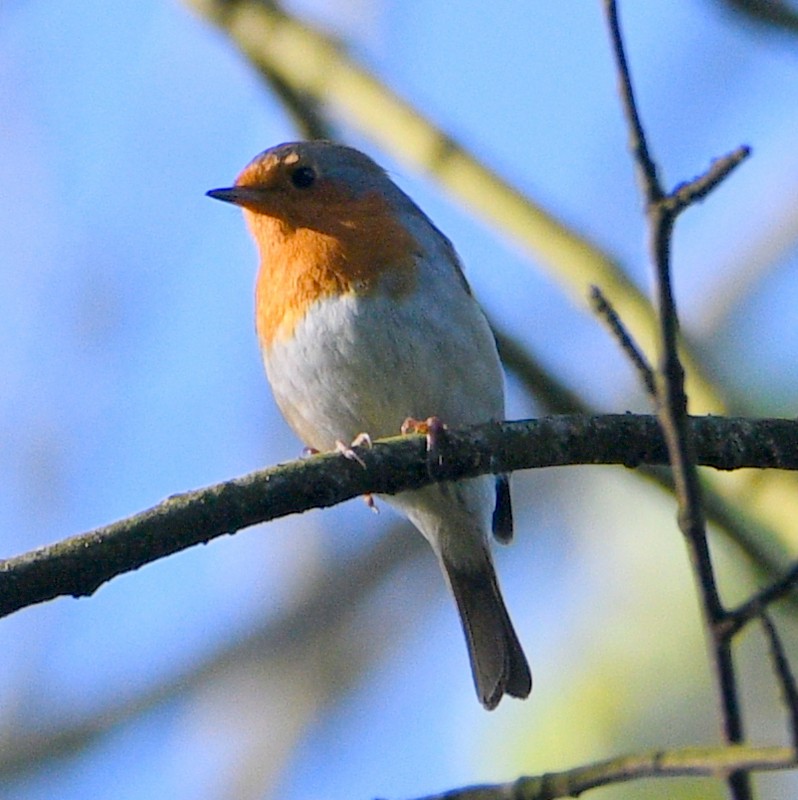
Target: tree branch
(781, 666)
(686, 194)
(603, 307)
(662, 210)
(78, 565)
(777, 14)
(707, 761)
(755, 606)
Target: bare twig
(738, 618)
(644, 164)
(662, 210)
(697, 189)
(604, 309)
(781, 665)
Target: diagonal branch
(603, 307)
(755, 606)
(686, 194)
(786, 679)
(777, 14)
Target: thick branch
(80, 564)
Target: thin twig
(686, 194)
(738, 618)
(662, 211)
(603, 307)
(781, 665)
(644, 163)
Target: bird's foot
(435, 431)
(369, 500)
(431, 427)
(347, 450)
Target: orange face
(323, 228)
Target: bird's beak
(247, 196)
(229, 195)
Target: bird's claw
(369, 500)
(347, 451)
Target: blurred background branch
(320, 626)
(776, 14)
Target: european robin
(364, 320)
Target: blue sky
(131, 372)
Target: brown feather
(498, 663)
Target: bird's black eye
(303, 177)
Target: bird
(365, 320)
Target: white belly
(365, 363)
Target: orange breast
(358, 246)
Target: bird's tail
(498, 663)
